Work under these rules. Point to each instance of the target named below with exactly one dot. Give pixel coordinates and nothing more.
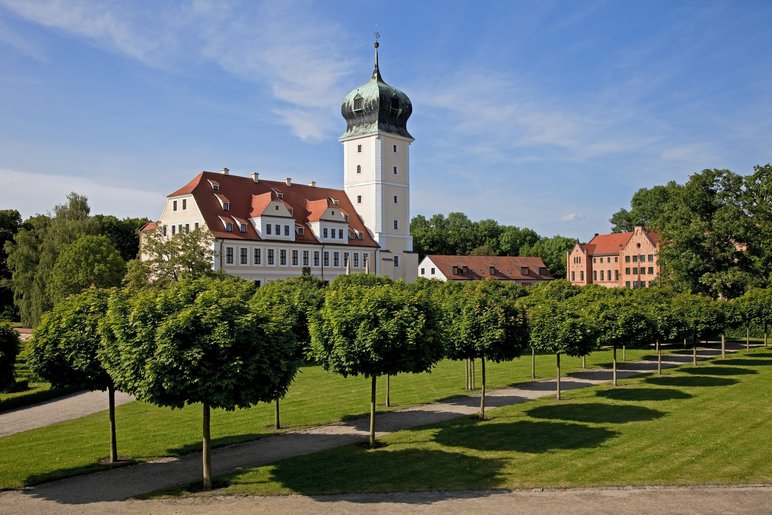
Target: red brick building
(617, 260)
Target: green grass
(703, 425)
(316, 397)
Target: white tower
(376, 169)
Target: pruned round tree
(619, 320)
(9, 349)
(89, 261)
(65, 349)
(484, 322)
(296, 299)
(376, 330)
(198, 341)
(702, 316)
(557, 329)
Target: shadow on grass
(523, 436)
(690, 381)
(719, 371)
(643, 394)
(352, 471)
(595, 412)
(744, 362)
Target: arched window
(359, 168)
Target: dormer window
(226, 206)
(276, 207)
(243, 227)
(214, 184)
(492, 270)
(358, 101)
(523, 270)
(300, 231)
(228, 227)
(542, 270)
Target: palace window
(336, 259)
(316, 258)
(184, 204)
(283, 257)
(396, 261)
(243, 256)
(174, 205)
(270, 257)
(356, 259)
(267, 228)
(294, 258)
(326, 258)
(229, 255)
(305, 258)
(257, 258)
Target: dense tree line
(715, 230)
(456, 234)
(48, 257)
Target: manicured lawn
(316, 397)
(709, 424)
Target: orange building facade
(617, 260)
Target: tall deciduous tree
(485, 323)
(557, 329)
(89, 261)
(376, 330)
(65, 349)
(10, 223)
(198, 341)
(170, 259)
(552, 251)
(9, 349)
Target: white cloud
(289, 47)
(571, 217)
(33, 193)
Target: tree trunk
(723, 345)
(372, 413)
(482, 396)
(694, 351)
(614, 365)
(659, 359)
(472, 371)
(557, 356)
(207, 450)
(277, 420)
(113, 439)
(765, 334)
(624, 353)
(466, 374)
(388, 391)
(584, 361)
(747, 337)
(533, 363)
(684, 343)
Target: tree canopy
(9, 349)
(86, 262)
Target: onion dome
(376, 107)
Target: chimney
(312, 184)
(288, 181)
(225, 171)
(596, 234)
(255, 176)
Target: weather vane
(377, 36)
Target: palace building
(266, 230)
(522, 270)
(617, 260)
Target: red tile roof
(249, 199)
(608, 243)
(507, 268)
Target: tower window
(394, 148)
(359, 199)
(359, 148)
(359, 168)
(396, 199)
(396, 224)
(184, 204)
(357, 103)
(396, 261)
(174, 205)
(395, 170)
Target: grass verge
(703, 425)
(316, 397)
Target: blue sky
(547, 115)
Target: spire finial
(376, 71)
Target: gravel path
(50, 412)
(118, 484)
(595, 501)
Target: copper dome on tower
(376, 107)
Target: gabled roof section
(246, 195)
(609, 243)
(502, 268)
